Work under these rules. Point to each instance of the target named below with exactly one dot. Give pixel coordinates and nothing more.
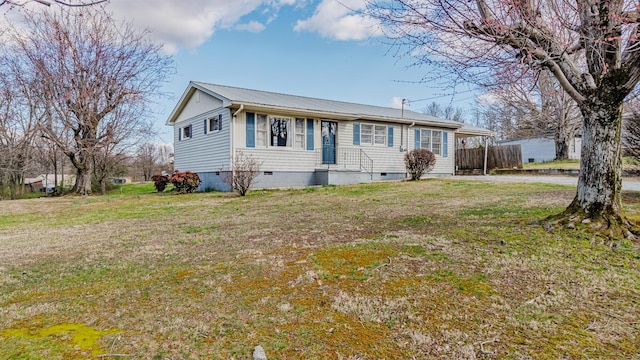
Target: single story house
(302, 141)
(543, 149)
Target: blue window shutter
(417, 139)
(205, 125)
(356, 133)
(251, 130)
(219, 121)
(445, 144)
(190, 131)
(179, 133)
(390, 140)
(310, 135)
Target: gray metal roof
(361, 111)
(256, 99)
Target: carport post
(486, 153)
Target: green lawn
(556, 164)
(399, 270)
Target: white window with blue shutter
(436, 141)
(213, 124)
(370, 134)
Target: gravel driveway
(627, 183)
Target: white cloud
(340, 20)
(396, 102)
(188, 24)
(251, 26)
(488, 98)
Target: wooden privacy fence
(498, 157)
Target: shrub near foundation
(185, 182)
(419, 162)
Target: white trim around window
(185, 132)
(214, 123)
(372, 134)
(431, 140)
(283, 132)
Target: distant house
(49, 181)
(303, 141)
(543, 149)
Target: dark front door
(329, 142)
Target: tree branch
(533, 42)
(48, 3)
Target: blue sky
(316, 48)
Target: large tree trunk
(83, 181)
(598, 201)
(562, 148)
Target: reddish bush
(160, 181)
(419, 162)
(185, 182)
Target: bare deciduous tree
(631, 138)
(152, 158)
(590, 47)
(96, 76)
(70, 3)
(448, 112)
(536, 107)
(243, 173)
(18, 124)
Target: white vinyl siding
(198, 104)
(203, 152)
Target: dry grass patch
(424, 269)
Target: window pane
(262, 122)
(214, 124)
(261, 130)
(425, 140)
(436, 141)
(280, 132)
(381, 135)
(299, 133)
(366, 134)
